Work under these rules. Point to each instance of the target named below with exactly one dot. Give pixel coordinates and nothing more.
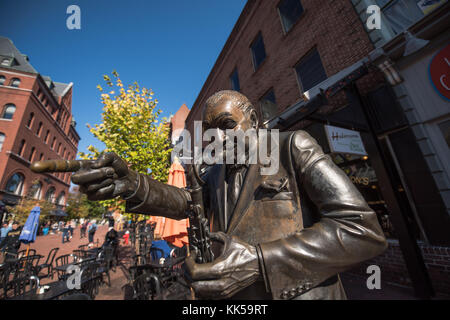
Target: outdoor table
(64, 267)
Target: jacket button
(293, 292)
(284, 295)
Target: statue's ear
(254, 119)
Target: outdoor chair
(83, 247)
(147, 287)
(22, 253)
(28, 265)
(90, 279)
(48, 264)
(106, 258)
(21, 286)
(80, 255)
(62, 261)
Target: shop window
(2, 80)
(15, 184)
(2, 140)
(258, 51)
(445, 130)
(310, 71)
(21, 147)
(15, 82)
(30, 120)
(234, 78)
(399, 15)
(290, 11)
(268, 106)
(8, 111)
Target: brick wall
(393, 268)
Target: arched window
(50, 195)
(59, 148)
(21, 147)
(8, 111)
(53, 143)
(33, 151)
(15, 184)
(15, 82)
(64, 152)
(2, 80)
(30, 120)
(61, 200)
(41, 157)
(36, 190)
(2, 139)
(5, 62)
(39, 129)
(46, 136)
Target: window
(59, 148)
(61, 199)
(41, 157)
(15, 184)
(2, 139)
(268, 106)
(50, 195)
(35, 190)
(64, 152)
(310, 71)
(21, 147)
(2, 80)
(290, 11)
(53, 143)
(258, 51)
(234, 78)
(15, 82)
(30, 120)
(46, 136)
(33, 151)
(39, 129)
(5, 62)
(8, 111)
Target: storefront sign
(345, 141)
(440, 72)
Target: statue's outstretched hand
(106, 178)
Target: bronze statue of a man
(285, 236)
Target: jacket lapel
(251, 181)
(221, 209)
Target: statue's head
(229, 109)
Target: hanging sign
(440, 72)
(345, 141)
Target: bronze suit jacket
(308, 221)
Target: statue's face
(225, 115)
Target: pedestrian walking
(83, 228)
(91, 232)
(65, 233)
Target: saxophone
(198, 231)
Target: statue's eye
(228, 124)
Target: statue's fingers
(93, 175)
(103, 184)
(104, 160)
(102, 194)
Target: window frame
(270, 90)
(302, 59)
(19, 188)
(6, 106)
(257, 37)
(12, 83)
(2, 140)
(283, 27)
(235, 72)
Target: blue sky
(168, 46)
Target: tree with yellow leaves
(132, 129)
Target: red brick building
(315, 65)
(36, 123)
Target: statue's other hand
(107, 178)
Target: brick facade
(51, 107)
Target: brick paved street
(44, 244)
